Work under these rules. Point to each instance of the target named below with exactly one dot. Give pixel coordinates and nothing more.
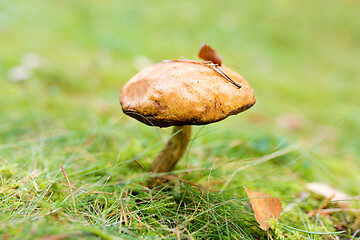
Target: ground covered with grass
(62, 66)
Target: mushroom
(182, 93)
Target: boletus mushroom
(182, 93)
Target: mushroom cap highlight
(178, 93)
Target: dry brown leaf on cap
(209, 54)
(265, 207)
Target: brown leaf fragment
(209, 54)
(265, 207)
(326, 191)
(313, 213)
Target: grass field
(62, 66)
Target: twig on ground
(139, 221)
(107, 193)
(120, 222)
(113, 213)
(177, 233)
(122, 215)
(70, 188)
(123, 212)
(327, 201)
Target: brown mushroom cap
(184, 93)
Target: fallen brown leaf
(265, 207)
(209, 54)
(326, 191)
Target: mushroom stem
(172, 151)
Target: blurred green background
(63, 63)
(301, 58)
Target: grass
(301, 58)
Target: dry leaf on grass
(209, 54)
(265, 207)
(326, 191)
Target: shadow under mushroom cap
(184, 93)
